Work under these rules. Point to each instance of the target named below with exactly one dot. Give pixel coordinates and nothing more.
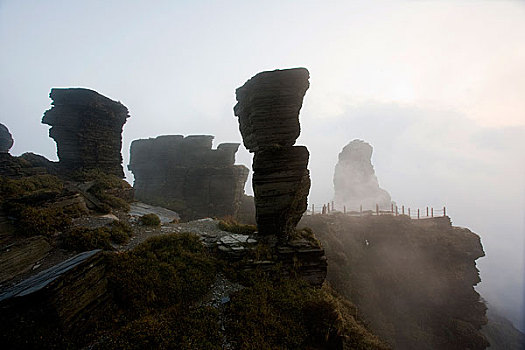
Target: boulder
(355, 183)
(87, 128)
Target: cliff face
(186, 175)
(412, 280)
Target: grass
(229, 224)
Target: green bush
(83, 238)
(170, 329)
(231, 225)
(161, 272)
(120, 232)
(13, 188)
(105, 188)
(32, 221)
(150, 220)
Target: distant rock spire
(355, 182)
(6, 140)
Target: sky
(437, 87)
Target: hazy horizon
(436, 87)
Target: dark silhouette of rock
(186, 175)
(87, 128)
(6, 140)
(268, 111)
(59, 299)
(355, 182)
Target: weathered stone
(20, 256)
(186, 175)
(6, 140)
(355, 183)
(281, 184)
(87, 128)
(268, 110)
(59, 299)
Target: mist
(435, 87)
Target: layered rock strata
(355, 182)
(186, 175)
(6, 140)
(87, 128)
(268, 110)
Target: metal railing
(395, 210)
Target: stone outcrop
(6, 140)
(59, 299)
(411, 280)
(355, 182)
(21, 256)
(186, 175)
(87, 128)
(268, 110)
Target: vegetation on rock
(150, 220)
(229, 224)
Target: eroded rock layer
(87, 128)
(268, 111)
(186, 175)
(6, 140)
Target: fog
(436, 87)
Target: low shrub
(150, 220)
(33, 221)
(307, 234)
(83, 238)
(13, 188)
(229, 224)
(161, 272)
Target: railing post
(427, 212)
(377, 209)
(313, 209)
(361, 210)
(432, 212)
(409, 213)
(392, 208)
(344, 209)
(444, 211)
(403, 210)
(397, 211)
(418, 214)
(332, 205)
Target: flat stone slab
(166, 216)
(41, 280)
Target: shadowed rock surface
(186, 175)
(411, 280)
(87, 128)
(355, 182)
(6, 140)
(268, 111)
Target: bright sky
(437, 87)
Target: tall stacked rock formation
(87, 128)
(355, 182)
(268, 111)
(186, 175)
(6, 140)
